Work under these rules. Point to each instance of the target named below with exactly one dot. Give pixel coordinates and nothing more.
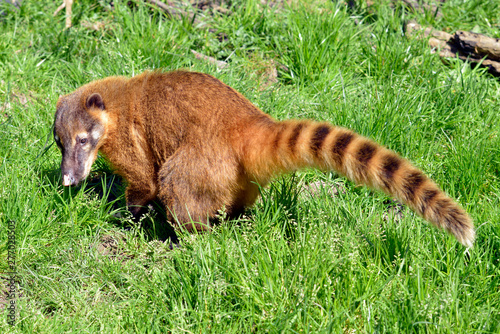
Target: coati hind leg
(194, 184)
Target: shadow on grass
(110, 188)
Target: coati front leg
(142, 187)
(193, 186)
(138, 196)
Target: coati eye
(83, 141)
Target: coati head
(78, 130)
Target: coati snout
(198, 146)
(77, 134)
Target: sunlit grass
(298, 261)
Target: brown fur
(198, 145)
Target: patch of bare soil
(14, 98)
(109, 245)
(316, 187)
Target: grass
(297, 261)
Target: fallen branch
(475, 48)
(413, 28)
(478, 44)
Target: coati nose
(68, 180)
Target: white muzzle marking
(66, 180)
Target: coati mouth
(70, 178)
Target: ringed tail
(291, 145)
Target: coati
(198, 145)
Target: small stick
(212, 60)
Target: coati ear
(95, 101)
